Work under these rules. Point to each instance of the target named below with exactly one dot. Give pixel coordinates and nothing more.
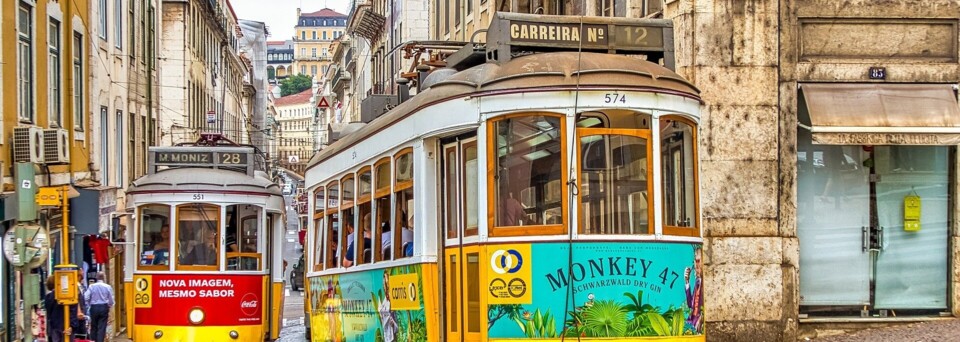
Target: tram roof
(204, 179)
(536, 72)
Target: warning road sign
(324, 102)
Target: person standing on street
(100, 298)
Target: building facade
(46, 132)
(279, 60)
(202, 82)
(295, 118)
(314, 33)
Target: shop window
(155, 235)
(679, 171)
(527, 158)
(198, 236)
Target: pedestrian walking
(100, 298)
(54, 317)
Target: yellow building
(311, 46)
(44, 85)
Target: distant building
(279, 60)
(315, 31)
(295, 141)
(253, 46)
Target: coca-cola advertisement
(225, 299)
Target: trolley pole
(65, 250)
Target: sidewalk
(937, 331)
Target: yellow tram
(205, 261)
(548, 195)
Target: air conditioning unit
(28, 144)
(56, 146)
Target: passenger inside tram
(204, 253)
(407, 238)
(161, 249)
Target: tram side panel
(612, 290)
(388, 304)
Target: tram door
(462, 310)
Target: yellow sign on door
(509, 275)
(142, 294)
(911, 213)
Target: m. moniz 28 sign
(511, 33)
(234, 158)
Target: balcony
(366, 23)
(313, 58)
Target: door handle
(864, 239)
(880, 239)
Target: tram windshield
(154, 236)
(198, 229)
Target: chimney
(298, 15)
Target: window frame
(328, 214)
(633, 132)
(103, 26)
(359, 196)
(118, 24)
(139, 237)
(220, 242)
(26, 106)
(675, 230)
(531, 230)
(399, 185)
(54, 74)
(78, 91)
(462, 148)
(241, 254)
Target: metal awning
(881, 114)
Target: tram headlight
(157, 334)
(234, 334)
(196, 316)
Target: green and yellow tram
(552, 196)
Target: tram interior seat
(407, 251)
(366, 255)
(386, 252)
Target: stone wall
(748, 57)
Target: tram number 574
(614, 98)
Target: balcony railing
(313, 58)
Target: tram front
(204, 264)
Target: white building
(295, 142)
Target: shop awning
(882, 114)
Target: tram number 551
(614, 98)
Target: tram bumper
(147, 333)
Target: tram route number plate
(142, 292)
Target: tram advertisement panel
(161, 299)
(614, 289)
(376, 305)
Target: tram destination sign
(236, 157)
(513, 33)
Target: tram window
(318, 242)
(470, 174)
(614, 184)
(154, 236)
(348, 239)
(528, 162)
(678, 160)
(319, 201)
(332, 240)
(403, 195)
(615, 118)
(349, 190)
(450, 192)
(241, 241)
(403, 243)
(365, 245)
(364, 184)
(198, 232)
(382, 177)
(382, 220)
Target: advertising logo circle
(498, 288)
(506, 261)
(142, 284)
(517, 287)
(249, 304)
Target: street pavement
(936, 331)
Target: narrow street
(293, 320)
